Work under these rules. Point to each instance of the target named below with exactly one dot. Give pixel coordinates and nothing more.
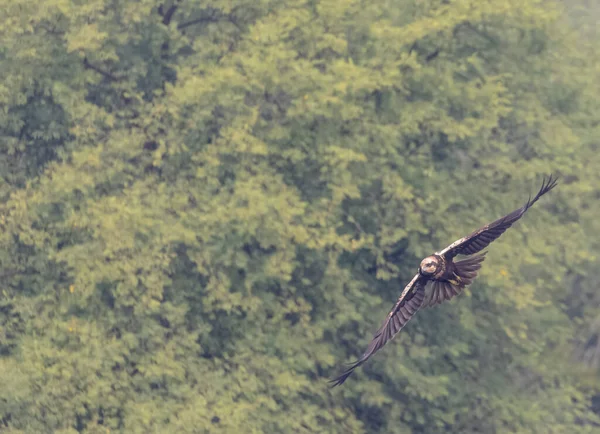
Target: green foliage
(206, 208)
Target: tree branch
(481, 33)
(432, 56)
(196, 21)
(168, 15)
(88, 65)
(52, 30)
(11, 273)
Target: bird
(448, 278)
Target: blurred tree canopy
(207, 207)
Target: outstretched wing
(409, 302)
(482, 237)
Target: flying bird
(448, 278)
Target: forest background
(207, 207)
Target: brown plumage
(448, 278)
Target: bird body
(448, 278)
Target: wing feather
(483, 236)
(407, 305)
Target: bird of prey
(448, 278)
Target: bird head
(429, 266)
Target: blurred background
(208, 207)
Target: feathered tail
(465, 272)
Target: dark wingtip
(552, 182)
(547, 185)
(344, 375)
(340, 379)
